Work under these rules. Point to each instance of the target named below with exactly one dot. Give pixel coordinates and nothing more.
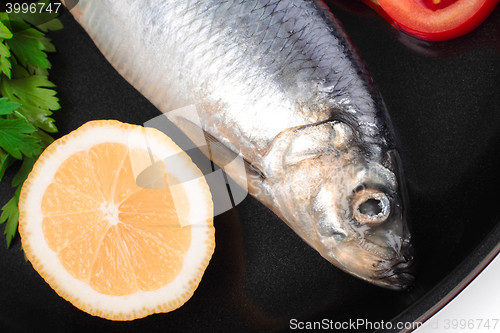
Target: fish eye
(371, 207)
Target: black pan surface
(444, 100)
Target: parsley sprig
(27, 100)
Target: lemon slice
(112, 247)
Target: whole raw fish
(279, 82)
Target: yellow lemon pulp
(111, 247)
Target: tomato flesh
(435, 20)
(435, 4)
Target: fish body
(278, 82)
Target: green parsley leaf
(33, 90)
(47, 43)
(27, 99)
(43, 138)
(52, 25)
(25, 44)
(5, 65)
(24, 171)
(5, 32)
(7, 107)
(38, 71)
(6, 161)
(37, 101)
(10, 214)
(15, 138)
(19, 72)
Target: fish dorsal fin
(306, 142)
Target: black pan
(444, 100)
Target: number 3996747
(33, 8)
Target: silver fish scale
(238, 61)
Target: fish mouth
(398, 277)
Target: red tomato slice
(436, 20)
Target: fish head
(361, 223)
(349, 207)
